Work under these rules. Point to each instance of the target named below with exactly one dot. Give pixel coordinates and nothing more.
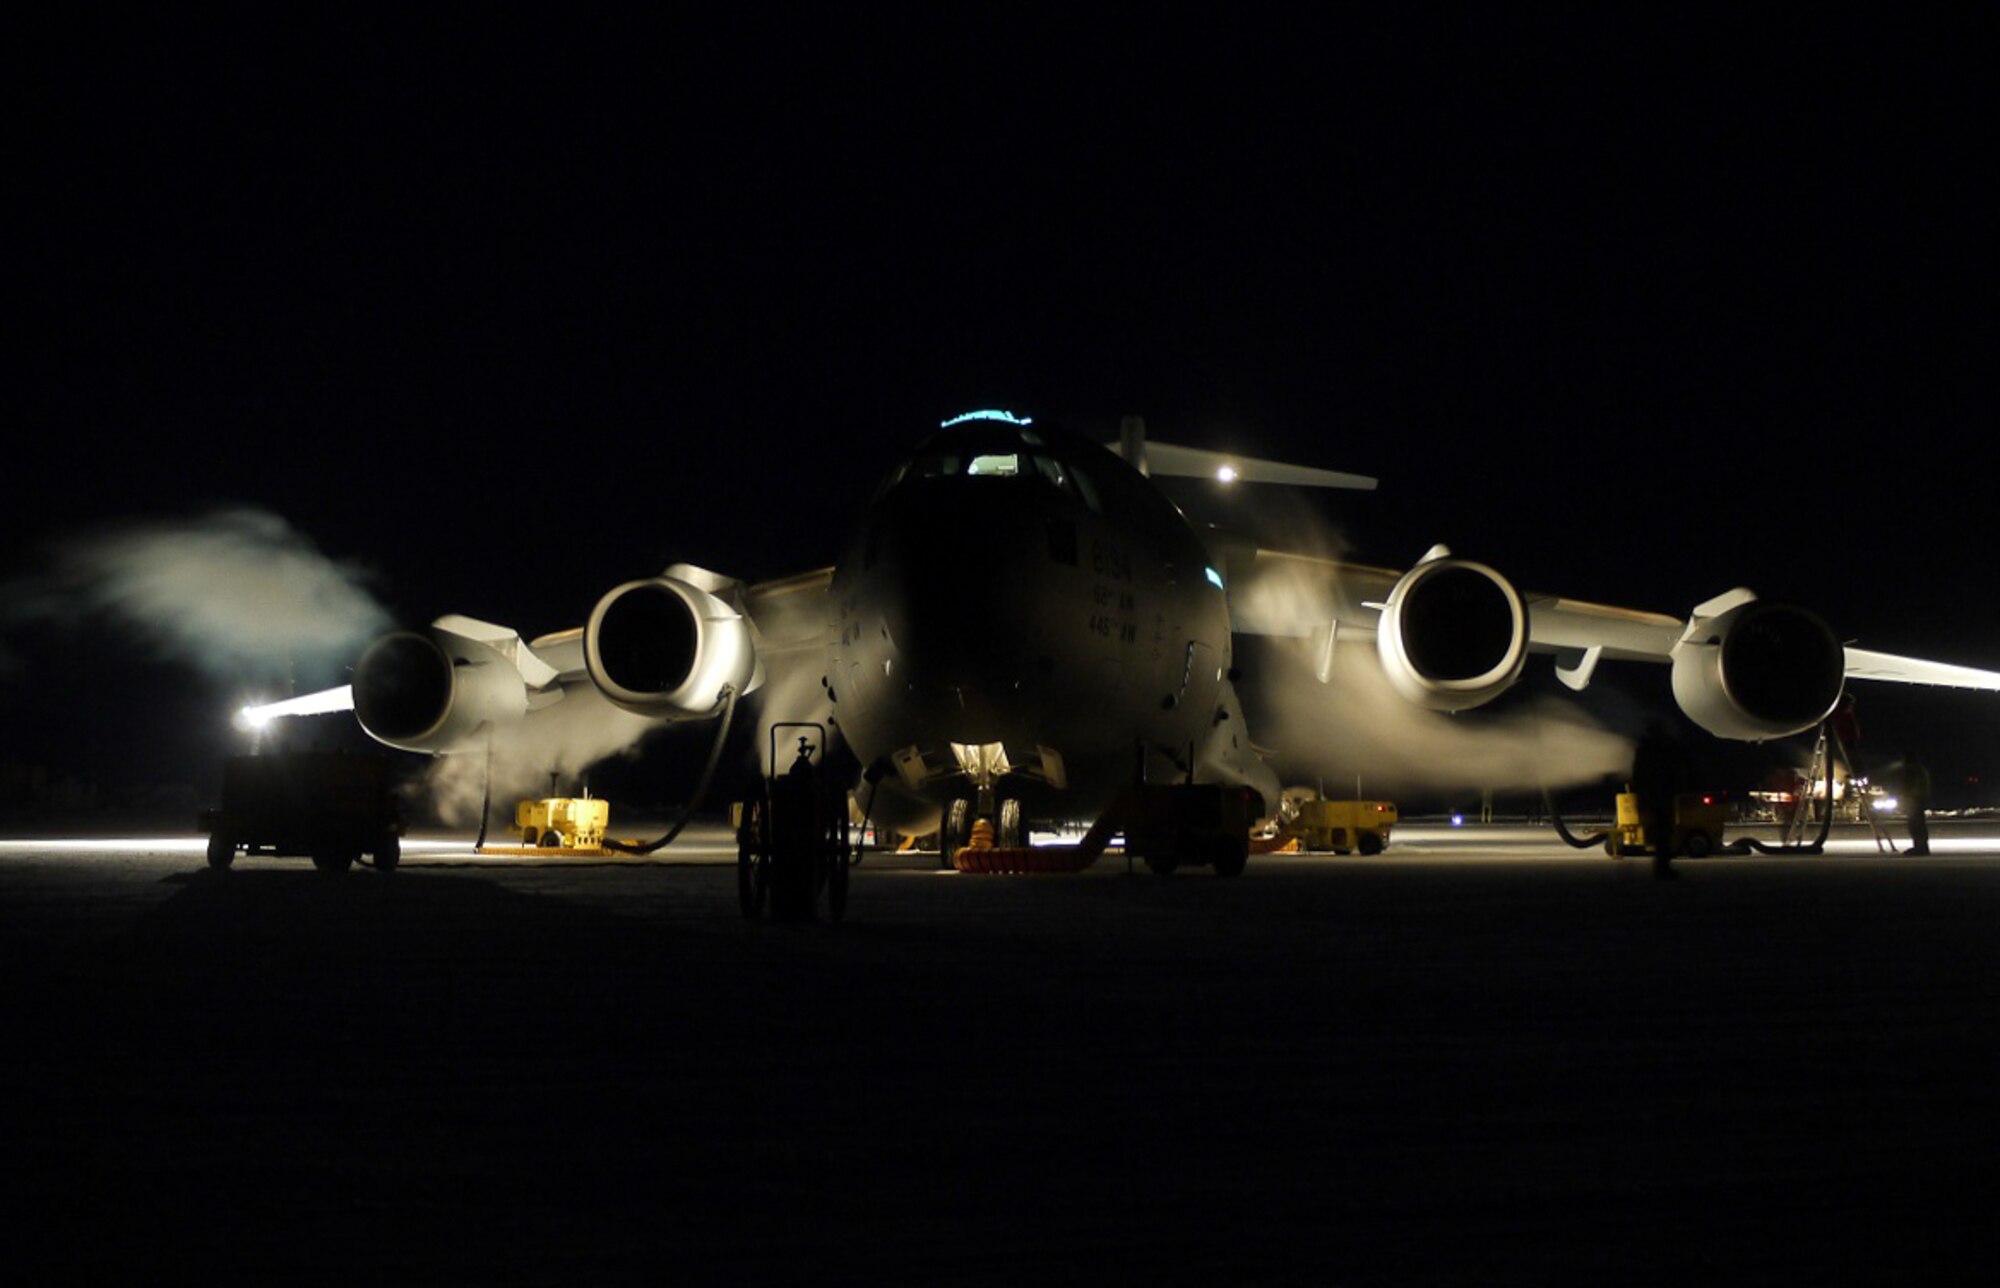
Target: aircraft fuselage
(1024, 590)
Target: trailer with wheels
(1178, 825)
(330, 806)
(792, 840)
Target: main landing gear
(793, 844)
(1171, 826)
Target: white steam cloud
(239, 594)
(1355, 724)
(584, 729)
(566, 739)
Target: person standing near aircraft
(1917, 799)
(1660, 773)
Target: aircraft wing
(1865, 664)
(788, 617)
(1323, 599)
(790, 612)
(1306, 596)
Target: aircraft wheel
(388, 853)
(221, 851)
(955, 830)
(1008, 831)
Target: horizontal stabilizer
(1167, 460)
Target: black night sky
(1634, 308)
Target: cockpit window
(1065, 478)
(991, 453)
(995, 466)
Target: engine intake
(429, 693)
(666, 648)
(1453, 635)
(1758, 671)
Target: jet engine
(666, 648)
(430, 692)
(1752, 671)
(1453, 634)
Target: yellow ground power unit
(1344, 826)
(1695, 829)
(562, 823)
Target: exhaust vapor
(566, 739)
(1356, 724)
(239, 594)
(1331, 713)
(584, 729)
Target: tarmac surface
(1480, 1057)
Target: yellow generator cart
(1695, 830)
(563, 823)
(1344, 826)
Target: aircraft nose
(950, 627)
(956, 604)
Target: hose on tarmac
(1548, 801)
(1741, 845)
(1748, 844)
(728, 700)
(486, 795)
(1562, 830)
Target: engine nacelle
(666, 648)
(1453, 635)
(1756, 671)
(433, 692)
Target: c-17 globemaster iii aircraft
(1093, 649)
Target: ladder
(1829, 744)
